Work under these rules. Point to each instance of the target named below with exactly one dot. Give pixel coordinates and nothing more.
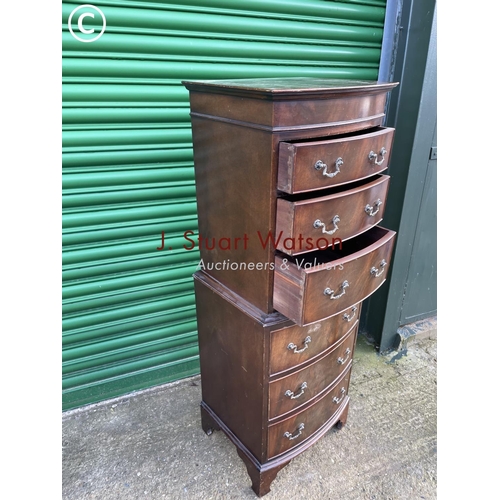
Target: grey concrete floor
(150, 444)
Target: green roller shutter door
(128, 309)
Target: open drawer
(304, 223)
(320, 284)
(313, 164)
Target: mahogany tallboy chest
(290, 190)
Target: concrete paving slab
(150, 444)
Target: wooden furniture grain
(290, 192)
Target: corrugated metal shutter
(129, 319)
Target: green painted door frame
(410, 291)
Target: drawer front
(306, 166)
(294, 345)
(294, 430)
(321, 291)
(291, 392)
(316, 223)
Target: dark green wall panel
(128, 309)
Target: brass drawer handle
(377, 272)
(338, 400)
(317, 224)
(346, 316)
(329, 291)
(369, 209)
(291, 436)
(372, 156)
(321, 165)
(342, 361)
(291, 395)
(292, 347)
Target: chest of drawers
(290, 190)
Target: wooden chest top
(285, 104)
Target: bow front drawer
(305, 224)
(309, 165)
(295, 345)
(323, 283)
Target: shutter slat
(71, 160)
(96, 252)
(103, 196)
(130, 230)
(166, 47)
(260, 8)
(115, 178)
(120, 215)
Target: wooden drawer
(294, 430)
(294, 345)
(289, 393)
(312, 223)
(324, 283)
(304, 166)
